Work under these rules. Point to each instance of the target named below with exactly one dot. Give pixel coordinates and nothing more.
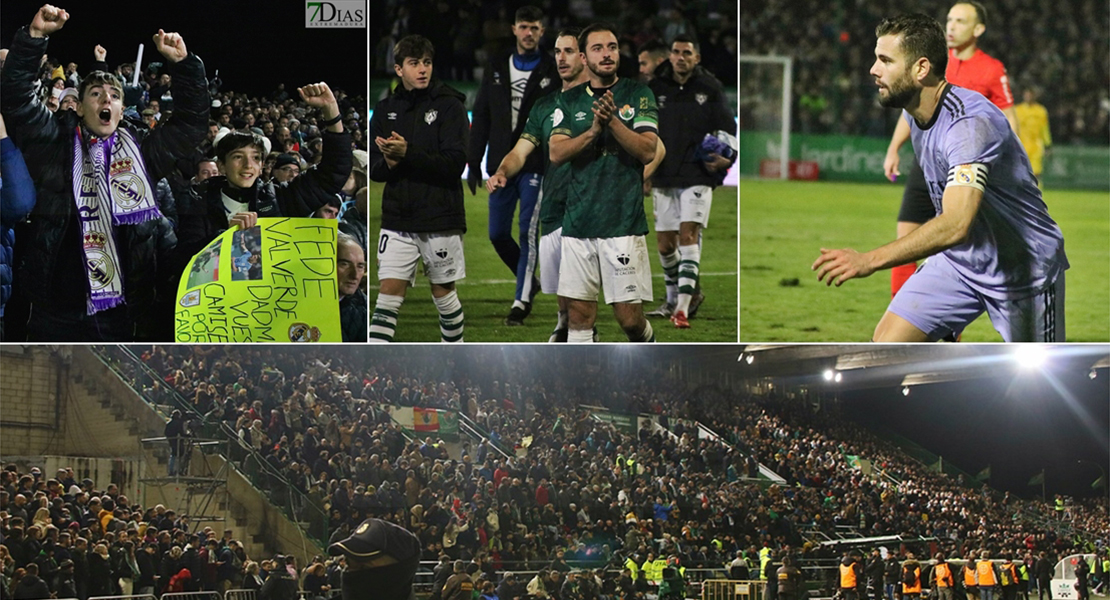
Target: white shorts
(551, 249)
(442, 253)
(619, 265)
(674, 206)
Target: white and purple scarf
(110, 187)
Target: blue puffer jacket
(17, 198)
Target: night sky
(255, 44)
(1017, 422)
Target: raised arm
(187, 127)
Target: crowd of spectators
(65, 538)
(1061, 52)
(570, 489)
(292, 126)
(467, 32)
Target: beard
(898, 93)
(596, 69)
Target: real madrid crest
(701, 98)
(430, 116)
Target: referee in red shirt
(970, 68)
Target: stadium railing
(467, 422)
(240, 595)
(296, 505)
(731, 589)
(191, 596)
(132, 597)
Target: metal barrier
(731, 589)
(191, 596)
(240, 595)
(133, 597)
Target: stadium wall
(860, 159)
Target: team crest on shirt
(627, 112)
(701, 98)
(430, 116)
(546, 81)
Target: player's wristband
(330, 122)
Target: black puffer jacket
(52, 271)
(201, 217)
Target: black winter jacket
(424, 192)
(352, 317)
(686, 113)
(52, 271)
(493, 112)
(202, 216)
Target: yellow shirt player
(1033, 130)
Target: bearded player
(968, 67)
(606, 131)
(992, 246)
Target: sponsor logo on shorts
(623, 259)
(630, 288)
(445, 260)
(442, 253)
(449, 272)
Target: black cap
(375, 537)
(286, 159)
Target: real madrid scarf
(110, 187)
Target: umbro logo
(391, 116)
(579, 116)
(442, 253)
(623, 259)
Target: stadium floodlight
(1093, 374)
(740, 358)
(905, 390)
(1030, 356)
(750, 358)
(755, 75)
(828, 374)
(838, 377)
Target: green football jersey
(604, 195)
(553, 197)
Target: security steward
(380, 556)
(942, 579)
(789, 580)
(911, 578)
(459, 585)
(851, 574)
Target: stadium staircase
(263, 509)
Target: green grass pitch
(784, 224)
(487, 292)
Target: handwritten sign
(275, 282)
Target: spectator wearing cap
(281, 584)
(380, 556)
(286, 168)
(240, 197)
(64, 584)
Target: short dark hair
(921, 35)
(98, 78)
(528, 14)
(655, 48)
(682, 37)
(573, 32)
(585, 35)
(980, 11)
(413, 46)
(235, 140)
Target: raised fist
(318, 95)
(48, 20)
(171, 45)
(99, 53)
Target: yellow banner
(275, 282)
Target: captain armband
(970, 175)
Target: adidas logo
(623, 259)
(442, 253)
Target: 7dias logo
(349, 14)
